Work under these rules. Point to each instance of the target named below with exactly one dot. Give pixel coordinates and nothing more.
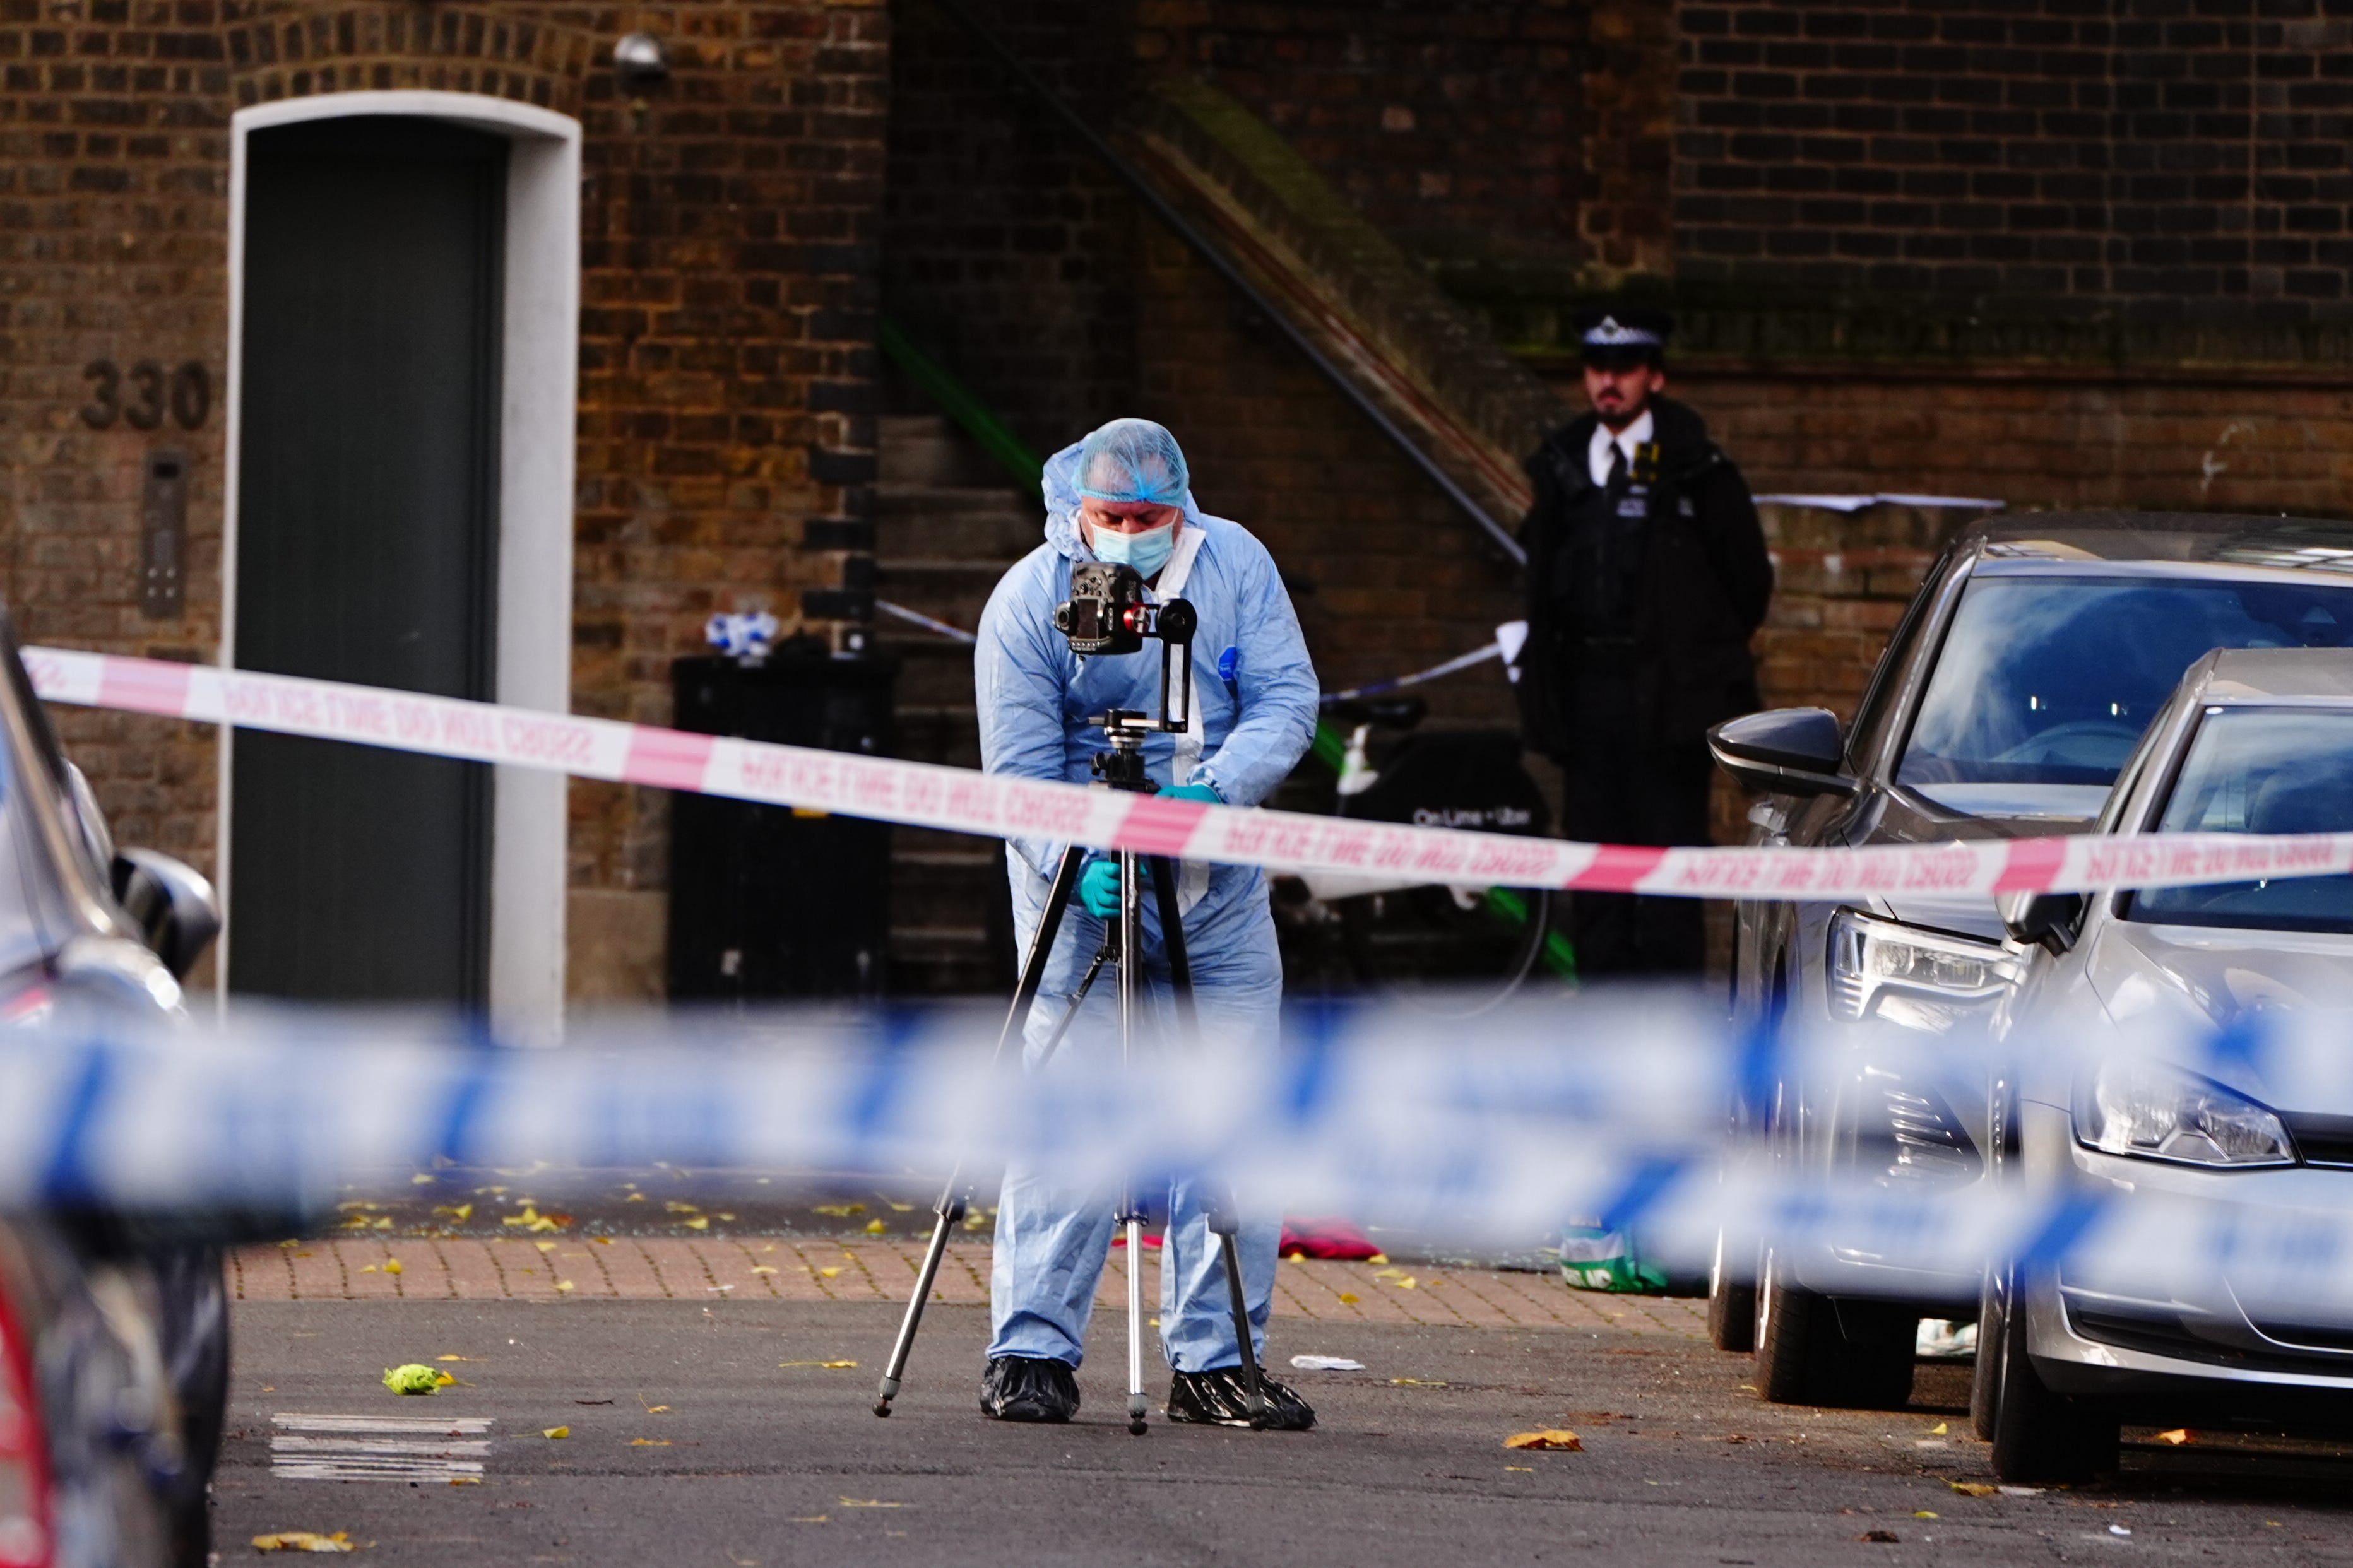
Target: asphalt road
(689, 1444)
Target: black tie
(1617, 480)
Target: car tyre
(1731, 1303)
(1993, 1322)
(1813, 1351)
(2037, 1435)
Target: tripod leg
(1136, 1403)
(1225, 1223)
(955, 1197)
(1077, 1000)
(1172, 942)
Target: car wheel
(1993, 1327)
(2037, 1436)
(1813, 1351)
(1730, 1303)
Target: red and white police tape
(925, 795)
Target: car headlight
(1921, 978)
(2159, 1112)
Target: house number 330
(142, 395)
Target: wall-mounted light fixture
(640, 61)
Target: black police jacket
(1699, 594)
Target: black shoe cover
(1221, 1398)
(1026, 1388)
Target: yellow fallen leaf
(455, 1358)
(810, 1519)
(867, 1503)
(1940, 1429)
(1408, 1283)
(384, 1224)
(392, 1266)
(2179, 1437)
(1378, 1257)
(727, 1216)
(840, 1211)
(1349, 1297)
(564, 1287)
(544, 1245)
(455, 1211)
(1923, 1513)
(1416, 1383)
(348, 1204)
(649, 1442)
(369, 1269)
(420, 1180)
(698, 1223)
(827, 1364)
(602, 1240)
(634, 1199)
(1386, 1273)
(1524, 1469)
(676, 1208)
(480, 1191)
(902, 1208)
(1975, 1488)
(443, 1380)
(465, 1480)
(557, 1432)
(1550, 1437)
(764, 1268)
(875, 1227)
(828, 1273)
(304, 1541)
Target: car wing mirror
(2049, 920)
(173, 904)
(1787, 751)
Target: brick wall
(731, 223)
(1008, 249)
(1456, 129)
(2180, 160)
(1387, 577)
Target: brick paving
(788, 1269)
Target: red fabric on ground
(1331, 1237)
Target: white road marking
(403, 1449)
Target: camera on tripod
(1107, 612)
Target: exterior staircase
(948, 524)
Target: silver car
(2163, 1109)
(2027, 669)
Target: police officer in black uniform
(1647, 575)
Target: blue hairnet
(1132, 460)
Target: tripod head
(1107, 613)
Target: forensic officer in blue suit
(1122, 495)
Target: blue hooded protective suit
(1255, 693)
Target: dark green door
(367, 530)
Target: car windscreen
(2044, 684)
(2261, 770)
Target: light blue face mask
(1148, 551)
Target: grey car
(2144, 1112)
(2020, 679)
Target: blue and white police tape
(2150, 1157)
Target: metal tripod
(1120, 768)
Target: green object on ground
(959, 404)
(414, 1378)
(1592, 1259)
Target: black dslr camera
(1107, 612)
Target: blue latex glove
(1201, 792)
(1099, 887)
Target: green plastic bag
(1592, 1259)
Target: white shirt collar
(1597, 452)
